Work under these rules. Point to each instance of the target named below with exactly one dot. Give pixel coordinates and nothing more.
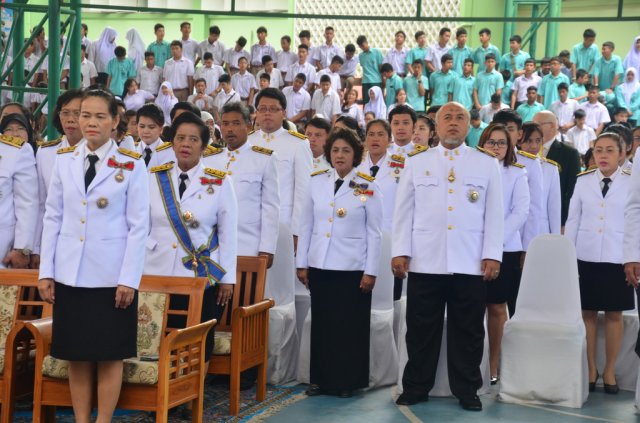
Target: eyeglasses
(67, 114)
(492, 143)
(271, 109)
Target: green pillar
(18, 41)
(509, 12)
(533, 44)
(54, 63)
(75, 41)
(551, 48)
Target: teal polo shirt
(527, 112)
(462, 90)
(577, 90)
(606, 70)
(506, 92)
(120, 71)
(370, 61)
(585, 57)
(481, 52)
(441, 84)
(549, 88)
(413, 94)
(487, 83)
(473, 136)
(415, 54)
(392, 86)
(509, 60)
(162, 52)
(459, 55)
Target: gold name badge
(102, 203)
(341, 212)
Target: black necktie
(183, 183)
(605, 188)
(91, 171)
(374, 170)
(147, 156)
(338, 185)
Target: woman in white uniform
(338, 258)
(596, 227)
(515, 186)
(95, 228)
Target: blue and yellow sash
(199, 259)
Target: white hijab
(166, 102)
(105, 48)
(628, 88)
(377, 106)
(633, 57)
(136, 47)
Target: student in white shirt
(87, 69)
(226, 95)
(325, 101)
(275, 75)
(302, 66)
(333, 71)
(285, 57)
(298, 100)
(210, 72)
(234, 54)
(437, 50)
(348, 69)
(597, 113)
(133, 97)
(521, 83)
(179, 71)
(243, 82)
(200, 99)
(351, 108)
(580, 136)
(212, 45)
(324, 53)
(397, 54)
(189, 45)
(149, 76)
(259, 50)
(564, 108)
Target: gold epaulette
(319, 172)
(588, 171)
(43, 144)
(556, 164)
(366, 177)
(528, 155)
(397, 158)
(66, 150)
(521, 166)
(220, 174)
(12, 141)
(162, 167)
(298, 135)
(129, 153)
(487, 152)
(626, 172)
(251, 132)
(164, 146)
(211, 151)
(418, 149)
(262, 150)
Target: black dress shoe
(592, 385)
(407, 398)
(611, 389)
(345, 394)
(314, 390)
(471, 403)
(494, 380)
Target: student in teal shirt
(608, 70)
(485, 48)
(392, 83)
(548, 89)
(416, 86)
(370, 60)
(508, 83)
(578, 90)
(487, 83)
(514, 60)
(585, 54)
(159, 47)
(461, 52)
(476, 126)
(462, 87)
(529, 109)
(440, 82)
(419, 52)
(119, 69)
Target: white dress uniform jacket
(294, 162)
(551, 198)
(449, 227)
(387, 179)
(532, 227)
(595, 224)
(632, 215)
(18, 195)
(255, 181)
(161, 152)
(516, 204)
(320, 163)
(403, 150)
(95, 238)
(341, 231)
(164, 250)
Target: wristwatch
(25, 251)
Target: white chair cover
(283, 334)
(399, 316)
(304, 355)
(628, 361)
(544, 358)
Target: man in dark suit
(565, 155)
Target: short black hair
(184, 105)
(516, 38)
(361, 40)
(386, 67)
(468, 60)
(622, 130)
(484, 31)
(301, 76)
(545, 60)
(64, 99)
(534, 88)
(446, 57)
(401, 32)
(185, 23)
(303, 47)
(149, 54)
(609, 44)
(273, 93)
(350, 137)
(580, 73)
(304, 34)
(157, 26)
(207, 56)
(325, 78)
(286, 38)
(506, 116)
(189, 117)
(214, 30)
(563, 86)
(107, 96)
(461, 31)
(265, 76)
(403, 109)
(530, 60)
(120, 51)
(337, 59)
(579, 114)
(489, 56)
(200, 80)
(224, 78)
(320, 123)
(176, 43)
(266, 59)
(239, 107)
(261, 29)
(241, 41)
(151, 111)
(444, 30)
(589, 33)
(418, 34)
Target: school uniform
(551, 221)
(18, 196)
(339, 241)
(446, 243)
(156, 153)
(596, 226)
(93, 240)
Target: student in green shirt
(462, 87)
(370, 60)
(416, 86)
(440, 82)
(548, 89)
(392, 83)
(119, 69)
(529, 109)
(160, 47)
(514, 60)
(585, 54)
(419, 52)
(485, 48)
(476, 126)
(578, 90)
(488, 82)
(608, 69)
(461, 52)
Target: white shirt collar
(101, 152)
(612, 176)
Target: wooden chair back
(251, 276)
(29, 306)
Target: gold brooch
(473, 196)
(102, 203)
(119, 176)
(341, 212)
(187, 216)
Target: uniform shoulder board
(162, 167)
(66, 150)
(525, 154)
(164, 146)
(487, 152)
(262, 150)
(397, 158)
(556, 164)
(320, 172)
(626, 172)
(53, 143)
(366, 177)
(298, 135)
(251, 132)
(220, 174)
(210, 151)
(419, 149)
(12, 141)
(129, 153)
(588, 171)
(521, 166)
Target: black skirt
(505, 287)
(340, 326)
(603, 287)
(88, 327)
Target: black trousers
(464, 297)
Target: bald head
(452, 124)
(549, 124)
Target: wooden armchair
(19, 301)
(175, 377)
(242, 336)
